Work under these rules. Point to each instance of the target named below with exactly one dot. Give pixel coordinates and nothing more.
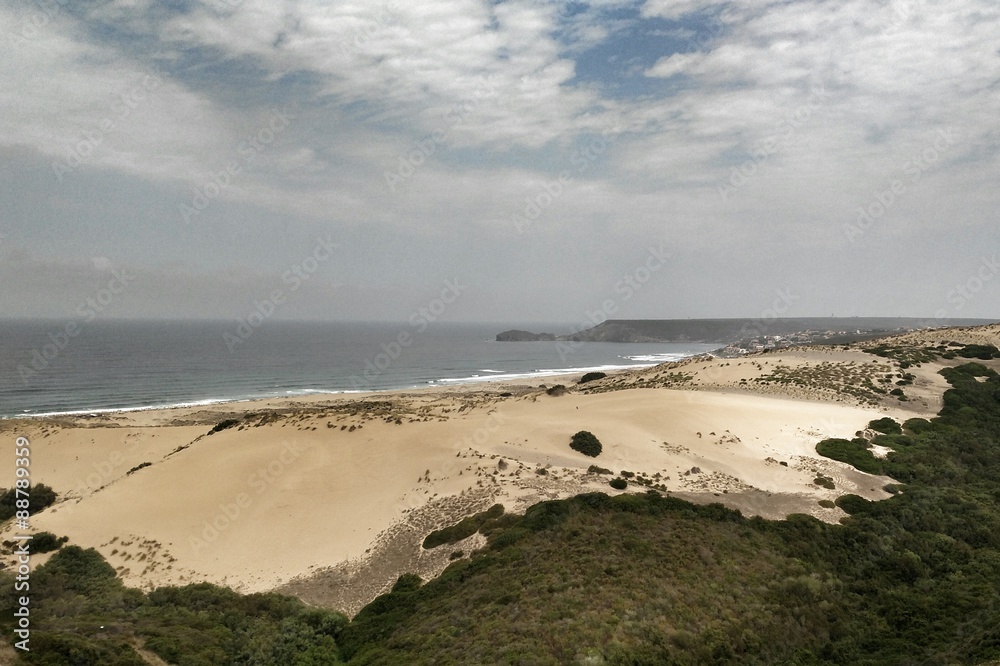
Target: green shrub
(138, 467)
(407, 583)
(464, 528)
(591, 377)
(40, 496)
(618, 483)
(916, 426)
(827, 504)
(45, 542)
(222, 425)
(508, 537)
(825, 482)
(83, 570)
(853, 503)
(48, 647)
(594, 469)
(886, 426)
(850, 452)
(984, 352)
(586, 443)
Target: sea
(50, 367)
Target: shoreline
(292, 394)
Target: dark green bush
(464, 528)
(40, 496)
(916, 426)
(853, 503)
(984, 352)
(825, 482)
(48, 647)
(83, 570)
(851, 452)
(586, 443)
(46, 542)
(618, 483)
(223, 425)
(508, 537)
(138, 467)
(594, 469)
(886, 426)
(592, 376)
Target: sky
(512, 160)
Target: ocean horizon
(50, 367)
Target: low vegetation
(463, 529)
(886, 426)
(224, 425)
(908, 355)
(592, 377)
(866, 382)
(39, 496)
(586, 443)
(46, 542)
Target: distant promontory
(728, 331)
(524, 336)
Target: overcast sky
(524, 160)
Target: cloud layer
(536, 150)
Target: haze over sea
(114, 365)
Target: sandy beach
(330, 498)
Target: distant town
(764, 343)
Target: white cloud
(823, 102)
(674, 64)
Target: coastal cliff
(726, 331)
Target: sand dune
(331, 498)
